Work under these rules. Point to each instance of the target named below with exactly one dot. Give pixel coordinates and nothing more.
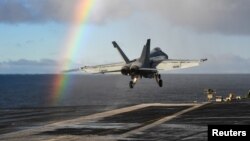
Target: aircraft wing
(113, 68)
(172, 64)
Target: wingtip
(203, 60)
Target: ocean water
(19, 91)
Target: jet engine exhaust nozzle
(134, 70)
(125, 70)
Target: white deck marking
(161, 121)
(62, 124)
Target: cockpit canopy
(158, 52)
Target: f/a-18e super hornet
(148, 65)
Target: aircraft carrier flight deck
(149, 121)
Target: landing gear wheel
(159, 76)
(131, 85)
(160, 83)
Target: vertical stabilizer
(144, 59)
(121, 52)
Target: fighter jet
(147, 65)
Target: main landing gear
(158, 79)
(135, 79)
(131, 85)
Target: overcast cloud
(28, 66)
(221, 16)
(225, 63)
(40, 11)
(26, 62)
(216, 64)
(224, 16)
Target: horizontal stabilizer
(149, 69)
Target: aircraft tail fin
(121, 52)
(144, 59)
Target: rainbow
(80, 18)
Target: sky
(35, 34)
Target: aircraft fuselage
(133, 67)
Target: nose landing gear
(135, 79)
(133, 82)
